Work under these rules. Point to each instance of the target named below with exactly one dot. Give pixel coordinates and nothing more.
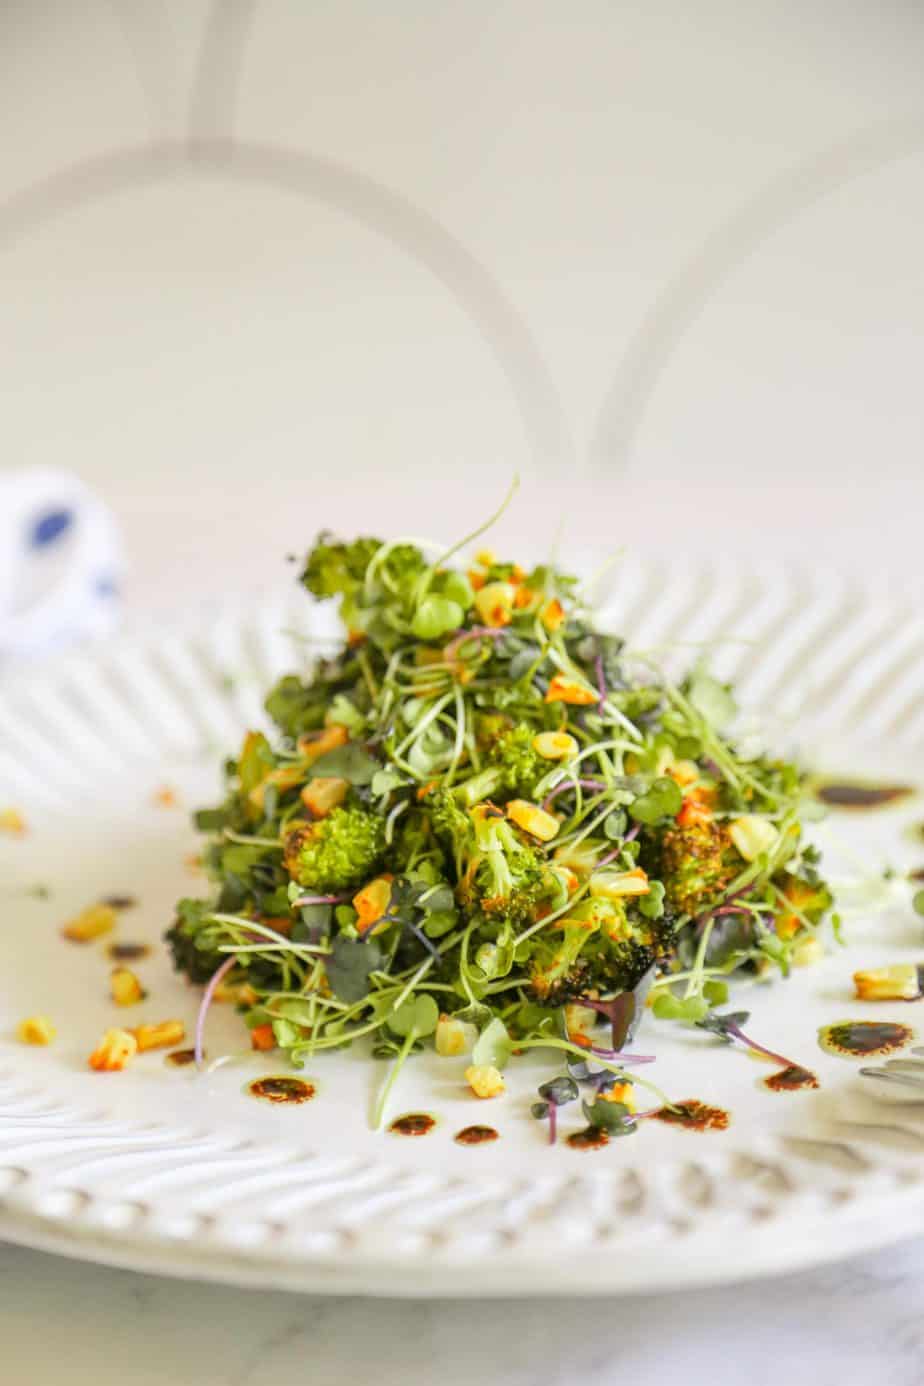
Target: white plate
(164, 1170)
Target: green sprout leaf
(614, 1118)
(436, 616)
(348, 762)
(493, 1046)
(652, 904)
(662, 800)
(712, 700)
(917, 903)
(349, 965)
(418, 1015)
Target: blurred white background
(271, 266)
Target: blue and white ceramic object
(60, 563)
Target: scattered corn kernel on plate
(611, 1111)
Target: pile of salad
(486, 825)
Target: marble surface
(844, 1326)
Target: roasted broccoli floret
(513, 768)
(339, 852)
(197, 963)
(698, 862)
(600, 949)
(807, 900)
(504, 875)
(335, 569)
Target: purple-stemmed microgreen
(728, 1028)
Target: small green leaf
(456, 586)
(712, 700)
(493, 1046)
(436, 616)
(348, 762)
(286, 1033)
(670, 1007)
(652, 904)
(613, 1117)
(418, 1014)
(715, 992)
(345, 713)
(614, 826)
(384, 781)
(662, 800)
(349, 965)
(917, 903)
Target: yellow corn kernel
(125, 988)
(561, 689)
(807, 951)
(581, 857)
(567, 877)
(486, 558)
(533, 819)
(115, 1050)
(555, 745)
(494, 603)
(314, 745)
(12, 822)
(614, 885)
(454, 1037)
(164, 1035)
(371, 902)
(552, 615)
(284, 777)
(36, 1029)
(685, 772)
(752, 835)
(484, 1080)
(620, 1092)
(91, 923)
(324, 793)
(525, 597)
(902, 982)
(578, 1020)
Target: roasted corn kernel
(555, 745)
(562, 689)
(125, 988)
(114, 1051)
(91, 923)
(36, 1029)
(484, 1080)
(533, 819)
(163, 1035)
(901, 982)
(324, 793)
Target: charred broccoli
(339, 852)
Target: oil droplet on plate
(860, 1039)
(859, 794)
(180, 1058)
(413, 1124)
(791, 1079)
(128, 952)
(694, 1115)
(591, 1138)
(477, 1135)
(279, 1090)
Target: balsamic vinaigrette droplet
(693, 1115)
(279, 1090)
(591, 1138)
(791, 1079)
(180, 1058)
(860, 795)
(413, 1124)
(477, 1135)
(128, 952)
(861, 1039)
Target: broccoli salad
(485, 825)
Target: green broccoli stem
(480, 786)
